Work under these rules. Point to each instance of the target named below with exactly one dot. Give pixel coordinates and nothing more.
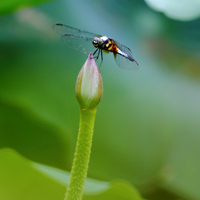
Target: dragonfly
(85, 42)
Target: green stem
(82, 155)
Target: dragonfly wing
(83, 45)
(75, 38)
(127, 63)
(64, 29)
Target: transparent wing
(75, 38)
(127, 63)
(64, 29)
(78, 43)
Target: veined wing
(125, 62)
(78, 43)
(64, 29)
(75, 38)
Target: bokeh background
(147, 129)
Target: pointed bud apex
(89, 87)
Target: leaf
(20, 179)
(91, 185)
(32, 136)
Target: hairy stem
(82, 155)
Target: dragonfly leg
(101, 57)
(95, 52)
(98, 54)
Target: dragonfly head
(97, 42)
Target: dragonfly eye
(95, 43)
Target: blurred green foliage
(147, 126)
(8, 6)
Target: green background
(147, 128)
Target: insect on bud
(89, 86)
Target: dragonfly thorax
(103, 43)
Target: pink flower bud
(89, 86)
